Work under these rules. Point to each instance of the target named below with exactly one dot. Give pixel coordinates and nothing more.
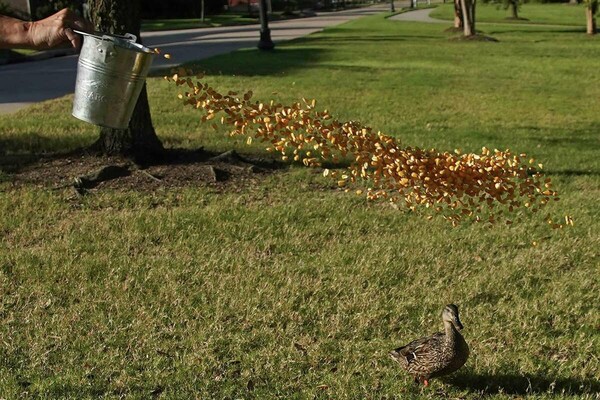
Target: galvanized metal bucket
(110, 75)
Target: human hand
(57, 30)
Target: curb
(41, 55)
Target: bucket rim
(118, 40)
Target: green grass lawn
(551, 14)
(291, 289)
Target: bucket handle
(128, 36)
(131, 37)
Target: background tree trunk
(591, 20)
(468, 17)
(472, 16)
(514, 5)
(139, 140)
(458, 19)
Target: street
(24, 83)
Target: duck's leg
(421, 380)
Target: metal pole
(265, 42)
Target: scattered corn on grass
(291, 290)
(482, 187)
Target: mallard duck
(435, 355)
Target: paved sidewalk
(26, 83)
(424, 16)
(419, 16)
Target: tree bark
(472, 16)
(139, 140)
(514, 5)
(458, 18)
(468, 14)
(591, 19)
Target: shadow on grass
(513, 384)
(353, 39)
(256, 62)
(35, 141)
(576, 139)
(584, 138)
(537, 31)
(31, 147)
(573, 172)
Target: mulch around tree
(476, 38)
(86, 172)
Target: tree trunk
(139, 140)
(591, 19)
(514, 5)
(458, 18)
(202, 11)
(468, 14)
(472, 16)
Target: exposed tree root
(477, 38)
(107, 173)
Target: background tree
(458, 21)
(468, 16)
(513, 5)
(591, 7)
(43, 9)
(162, 9)
(139, 140)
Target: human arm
(13, 32)
(53, 31)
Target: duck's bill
(395, 355)
(458, 325)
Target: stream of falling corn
(486, 187)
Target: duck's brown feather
(432, 356)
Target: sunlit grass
(533, 13)
(291, 289)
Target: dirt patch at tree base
(179, 168)
(453, 29)
(477, 38)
